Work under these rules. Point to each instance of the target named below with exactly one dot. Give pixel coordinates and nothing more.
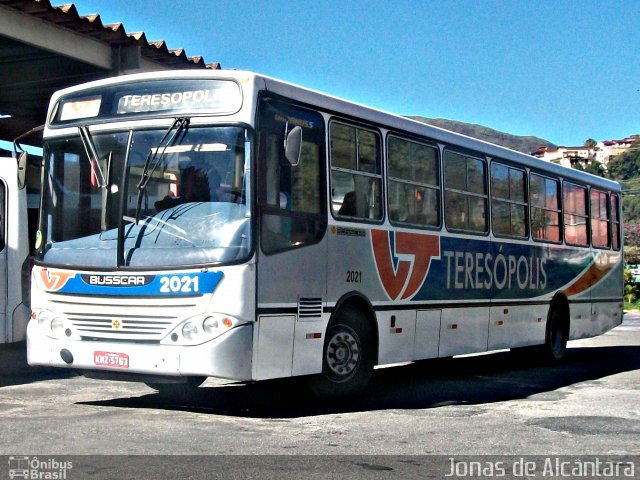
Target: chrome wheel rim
(343, 353)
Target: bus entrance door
(3, 261)
(14, 251)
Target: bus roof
(342, 107)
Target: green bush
(631, 291)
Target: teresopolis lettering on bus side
(483, 271)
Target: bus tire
(556, 337)
(348, 356)
(181, 390)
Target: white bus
(231, 225)
(18, 216)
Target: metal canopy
(44, 48)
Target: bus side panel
(396, 336)
(597, 305)
(308, 345)
(464, 330)
(607, 305)
(517, 326)
(427, 334)
(274, 349)
(580, 318)
(605, 316)
(351, 265)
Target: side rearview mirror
(293, 146)
(22, 169)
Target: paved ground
(479, 405)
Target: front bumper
(228, 356)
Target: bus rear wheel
(555, 345)
(348, 356)
(178, 391)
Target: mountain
(525, 144)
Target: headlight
(210, 325)
(53, 325)
(44, 319)
(189, 331)
(57, 325)
(200, 329)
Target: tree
(632, 235)
(630, 287)
(626, 169)
(632, 255)
(626, 165)
(596, 168)
(590, 143)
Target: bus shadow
(429, 384)
(14, 369)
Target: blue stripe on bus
(139, 285)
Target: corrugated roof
(67, 16)
(44, 48)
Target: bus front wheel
(348, 355)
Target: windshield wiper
(96, 170)
(153, 158)
(92, 154)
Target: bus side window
(545, 208)
(414, 185)
(599, 219)
(356, 179)
(466, 196)
(615, 221)
(576, 216)
(508, 201)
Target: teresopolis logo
(403, 260)
(54, 279)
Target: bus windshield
(146, 198)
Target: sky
(561, 70)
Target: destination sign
(179, 96)
(220, 97)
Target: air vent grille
(309, 308)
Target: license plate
(111, 359)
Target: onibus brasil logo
(403, 260)
(38, 468)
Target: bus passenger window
(574, 198)
(414, 186)
(356, 179)
(465, 193)
(615, 222)
(545, 208)
(508, 201)
(599, 219)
